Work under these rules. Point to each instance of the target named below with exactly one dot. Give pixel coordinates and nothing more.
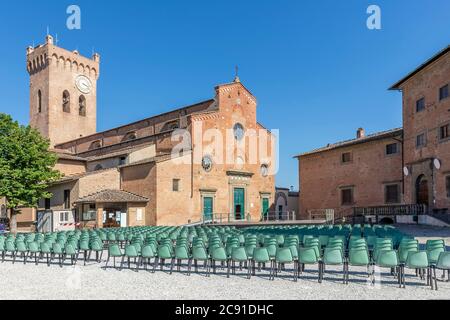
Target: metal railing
(226, 218)
(394, 210)
(279, 216)
(322, 214)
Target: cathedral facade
(211, 161)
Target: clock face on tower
(83, 84)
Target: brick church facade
(130, 175)
(409, 165)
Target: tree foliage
(26, 164)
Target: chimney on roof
(361, 133)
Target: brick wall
(322, 175)
(426, 84)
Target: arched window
(39, 101)
(95, 145)
(82, 106)
(66, 101)
(130, 136)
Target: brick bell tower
(63, 92)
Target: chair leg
(155, 263)
(121, 262)
(228, 269)
(320, 271)
(171, 265)
(295, 271)
(189, 267)
(435, 278)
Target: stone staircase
(441, 216)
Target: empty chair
(130, 253)
(443, 264)
(357, 257)
(417, 260)
(387, 259)
(182, 253)
(70, 251)
(332, 257)
(308, 256)
(284, 256)
(165, 253)
(238, 255)
(261, 256)
(113, 252)
(46, 250)
(220, 255)
(33, 250)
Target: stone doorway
(422, 193)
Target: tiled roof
(121, 152)
(75, 177)
(67, 156)
(370, 137)
(112, 196)
(204, 104)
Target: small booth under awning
(111, 209)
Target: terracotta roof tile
(112, 196)
(370, 137)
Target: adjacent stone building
(401, 166)
(207, 161)
(365, 171)
(426, 123)
(285, 205)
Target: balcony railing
(279, 216)
(226, 218)
(394, 210)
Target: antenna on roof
(48, 30)
(56, 40)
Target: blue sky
(316, 69)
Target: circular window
(207, 163)
(264, 170)
(238, 131)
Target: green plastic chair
(46, 250)
(113, 252)
(21, 248)
(85, 249)
(388, 259)
(130, 252)
(33, 250)
(443, 264)
(165, 253)
(57, 250)
(220, 255)
(308, 256)
(284, 256)
(357, 258)
(2, 249)
(199, 253)
(181, 254)
(261, 256)
(97, 247)
(148, 253)
(334, 257)
(70, 251)
(238, 255)
(417, 261)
